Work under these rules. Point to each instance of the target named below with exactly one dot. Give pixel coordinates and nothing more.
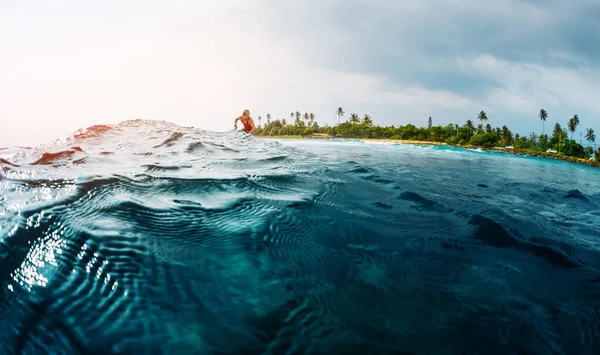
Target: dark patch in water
(171, 140)
(576, 195)
(193, 147)
(153, 167)
(423, 204)
(359, 170)
(275, 159)
(385, 206)
(494, 234)
(106, 153)
(553, 256)
(224, 148)
(304, 204)
(491, 233)
(562, 222)
(187, 203)
(447, 243)
(454, 246)
(378, 179)
(483, 186)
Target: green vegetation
(453, 134)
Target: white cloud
(527, 85)
(520, 90)
(418, 97)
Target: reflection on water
(147, 237)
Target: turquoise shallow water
(151, 238)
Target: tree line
(480, 134)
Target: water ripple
(148, 237)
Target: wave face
(150, 238)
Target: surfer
(247, 121)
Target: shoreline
(514, 151)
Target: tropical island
(559, 145)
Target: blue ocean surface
(150, 238)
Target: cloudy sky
(68, 64)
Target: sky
(70, 64)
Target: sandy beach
(515, 151)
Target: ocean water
(151, 238)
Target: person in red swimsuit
(247, 121)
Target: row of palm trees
(482, 117)
(543, 115)
(309, 120)
(354, 118)
(296, 117)
(590, 135)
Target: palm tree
(354, 118)
(470, 126)
(268, 118)
(306, 117)
(312, 118)
(533, 139)
(506, 135)
(590, 136)
(429, 123)
(340, 113)
(543, 115)
(284, 122)
(291, 116)
(482, 116)
(259, 119)
(543, 140)
(480, 129)
(456, 126)
(573, 123)
(558, 132)
(367, 121)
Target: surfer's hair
(243, 113)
